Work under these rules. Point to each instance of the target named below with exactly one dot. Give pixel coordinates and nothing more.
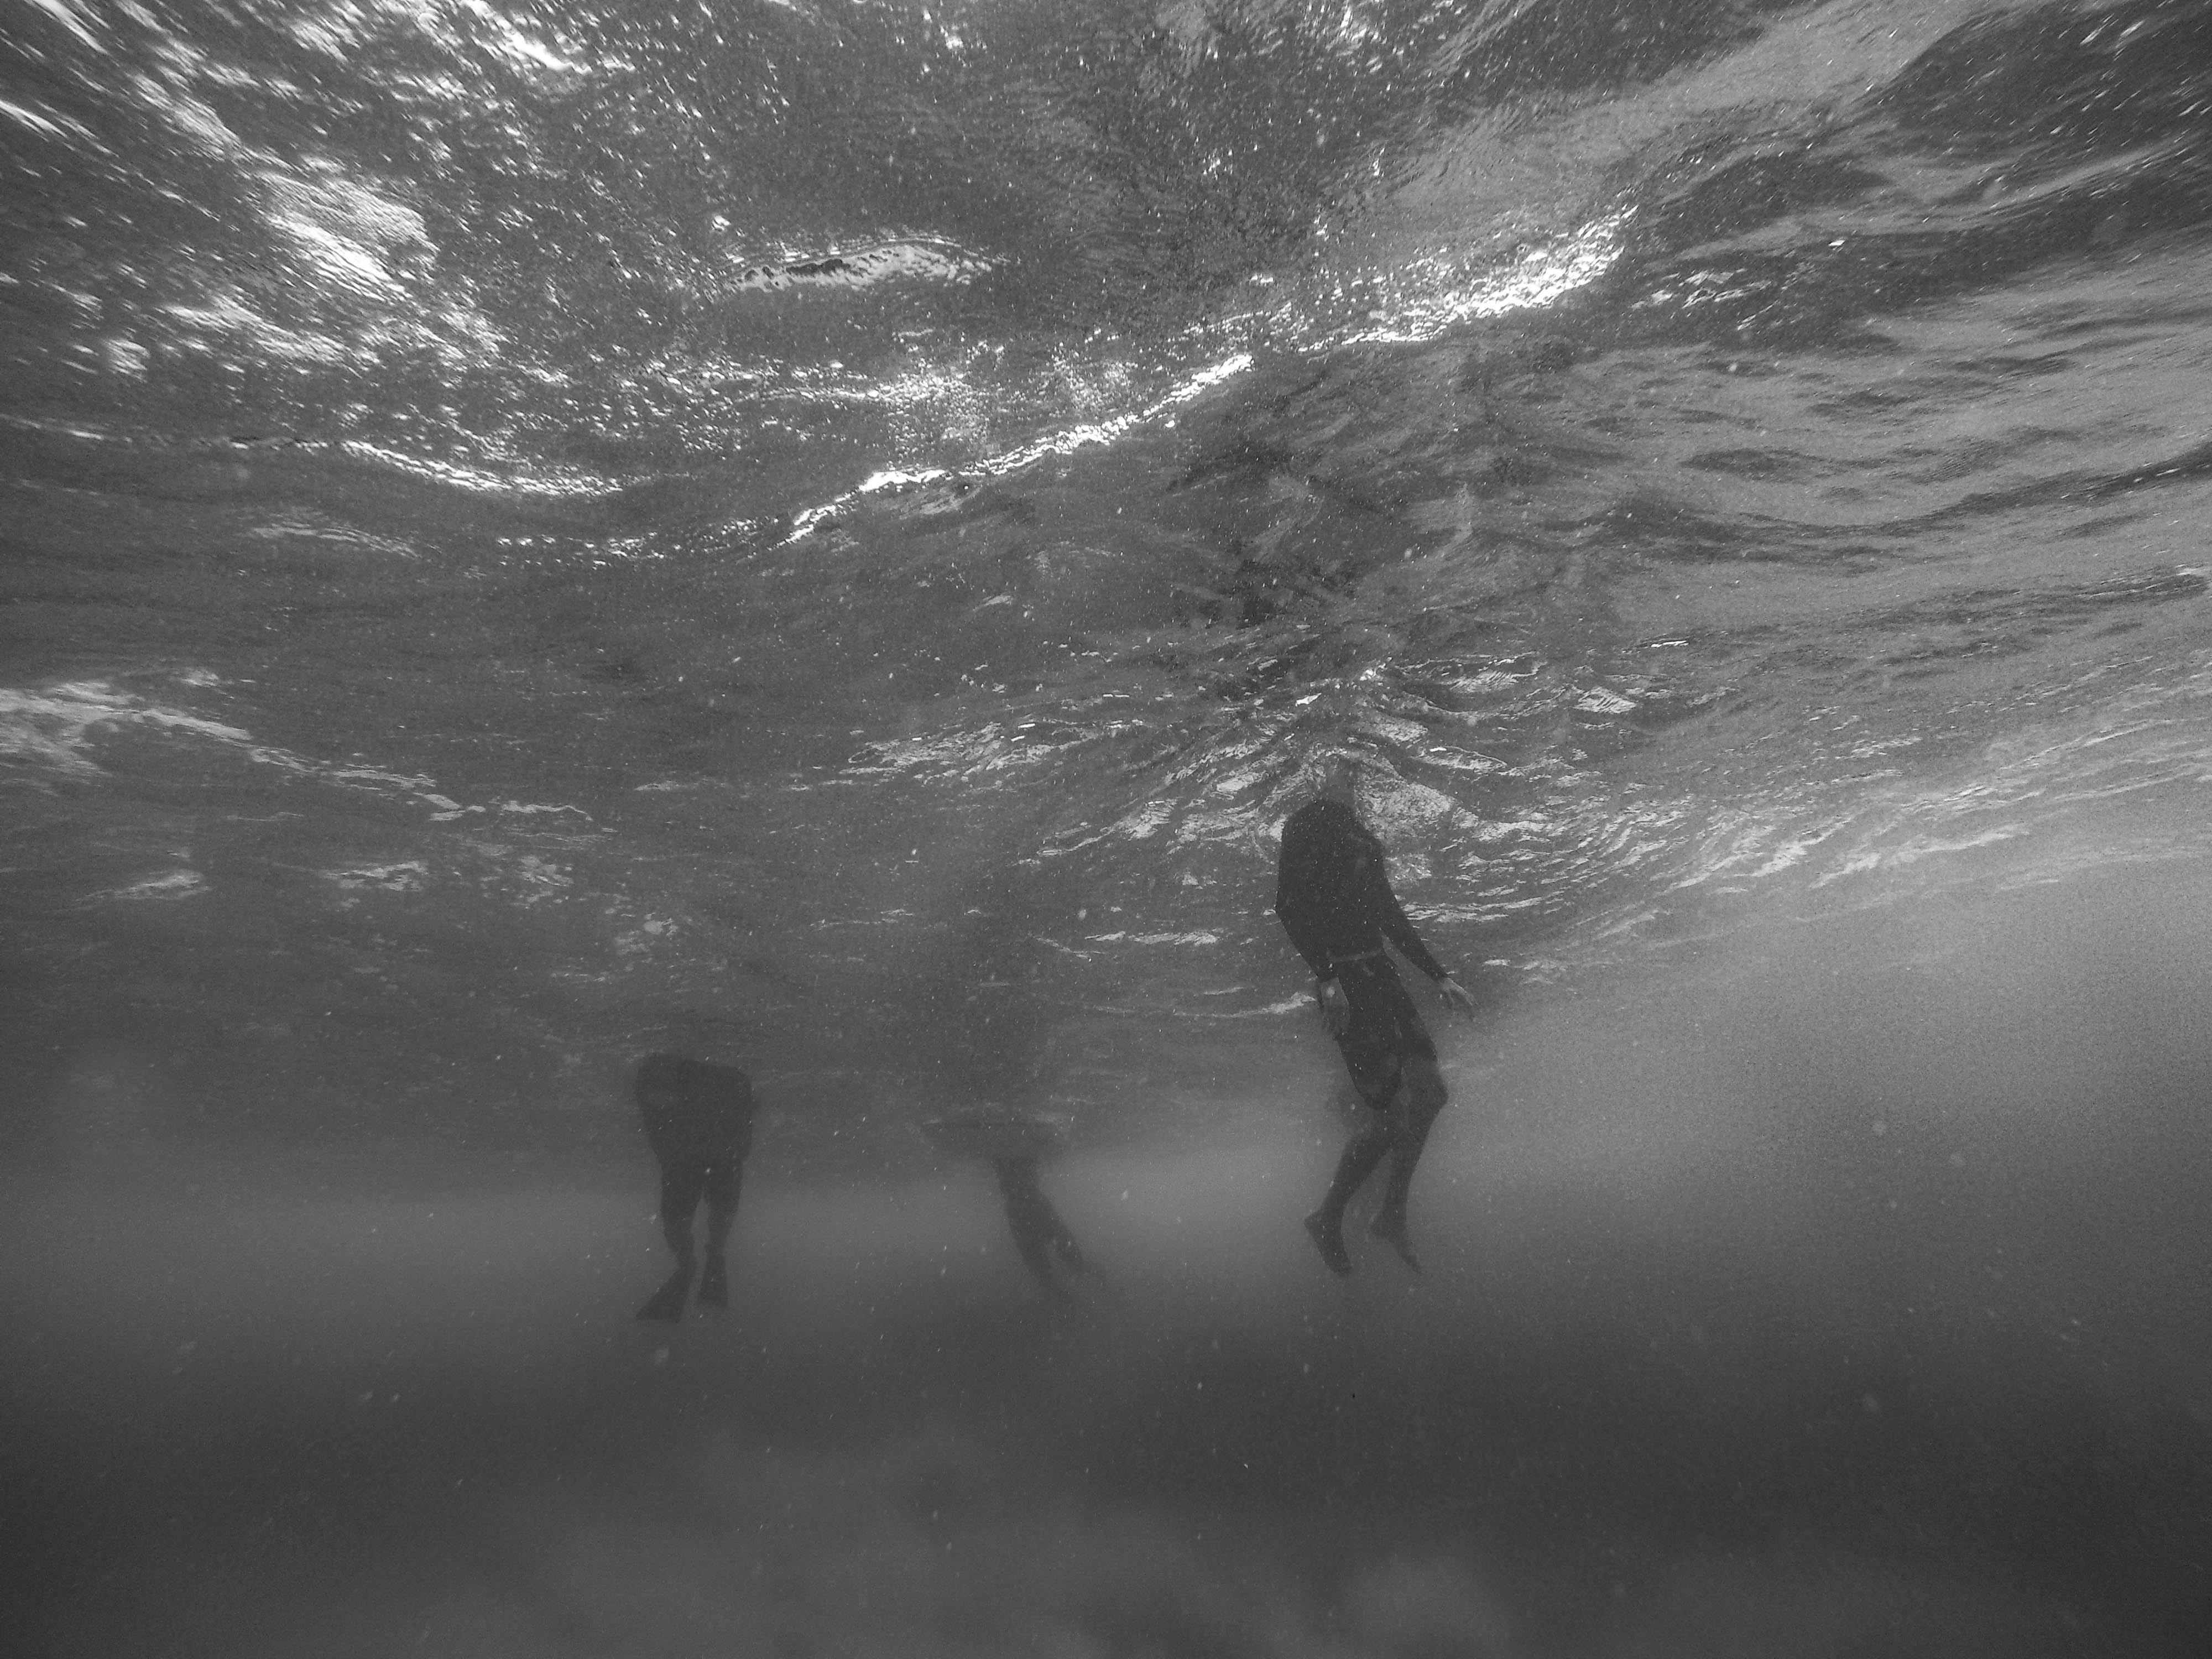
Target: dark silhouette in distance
(699, 1119)
(1013, 1144)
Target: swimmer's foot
(1327, 1233)
(1395, 1235)
(667, 1303)
(714, 1284)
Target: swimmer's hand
(1455, 994)
(1335, 1007)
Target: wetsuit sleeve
(1390, 916)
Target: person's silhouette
(1045, 1245)
(699, 1119)
(1012, 1144)
(1333, 895)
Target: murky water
(833, 535)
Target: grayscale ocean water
(830, 535)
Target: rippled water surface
(832, 535)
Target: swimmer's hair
(1337, 777)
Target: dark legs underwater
(680, 1193)
(1047, 1246)
(1399, 1131)
(698, 1116)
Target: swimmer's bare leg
(1037, 1255)
(721, 1211)
(1070, 1252)
(714, 1284)
(679, 1198)
(1395, 1235)
(1036, 1228)
(1413, 1112)
(1326, 1225)
(667, 1303)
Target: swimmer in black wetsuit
(699, 1119)
(1333, 896)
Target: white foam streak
(478, 480)
(71, 17)
(1064, 442)
(48, 123)
(50, 727)
(917, 260)
(180, 884)
(1430, 297)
